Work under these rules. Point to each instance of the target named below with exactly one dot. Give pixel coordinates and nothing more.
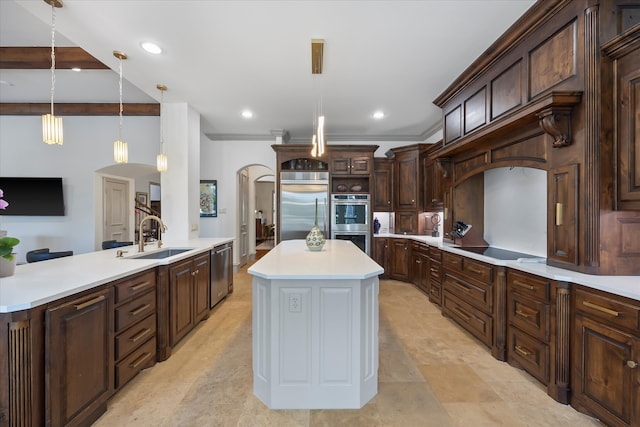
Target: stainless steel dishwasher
(220, 272)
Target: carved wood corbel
(556, 121)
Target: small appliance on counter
(460, 229)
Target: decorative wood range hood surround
(550, 94)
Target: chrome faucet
(162, 228)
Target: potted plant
(7, 257)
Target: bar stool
(44, 254)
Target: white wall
(515, 209)
(88, 146)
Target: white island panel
(315, 340)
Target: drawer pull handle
(139, 309)
(418, 261)
(89, 303)
(523, 285)
(193, 273)
(632, 364)
(433, 270)
(463, 288)
(523, 314)
(523, 351)
(600, 308)
(475, 270)
(462, 313)
(139, 335)
(140, 286)
(139, 361)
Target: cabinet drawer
(610, 309)
(474, 292)
(135, 335)
(528, 353)
(477, 270)
(451, 261)
(533, 287)
(529, 315)
(435, 270)
(135, 286)
(435, 292)
(140, 359)
(435, 254)
(133, 311)
(476, 322)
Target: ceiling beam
(39, 58)
(78, 109)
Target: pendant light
(52, 125)
(318, 140)
(161, 161)
(120, 148)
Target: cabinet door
(381, 254)
(606, 374)
(406, 222)
(399, 266)
(201, 277)
(360, 165)
(79, 359)
(432, 186)
(562, 217)
(406, 180)
(383, 186)
(340, 165)
(181, 301)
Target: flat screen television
(29, 196)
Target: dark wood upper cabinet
(383, 185)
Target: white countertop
(626, 286)
(42, 282)
(339, 259)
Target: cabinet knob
(632, 364)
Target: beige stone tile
(552, 414)
(397, 366)
(257, 414)
(457, 383)
(487, 414)
(367, 416)
(410, 404)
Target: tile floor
(431, 373)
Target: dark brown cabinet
(420, 266)
(562, 220)
(383, 185)
(529, 319)
(433, 181)
(435, 275)
(469, 289)
(188, 295)
(409, 188)
(381, 254)
(399, 261)
(135, 326)
(351, 163)
(606, 354)
(79, 359)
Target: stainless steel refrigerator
(299, 192)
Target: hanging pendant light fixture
(120, 148)
(318, 140)
(52, 125)
(161, 161)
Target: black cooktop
(497, 253)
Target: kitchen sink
(161, 254)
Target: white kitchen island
(315, 326)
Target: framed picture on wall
(209, 198)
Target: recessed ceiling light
(76, 69)
(247, 114)
(151, 48)
(378, 115)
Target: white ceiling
(221, 57)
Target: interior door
(116, 210)
(243, 216)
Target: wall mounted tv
(32, 196)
